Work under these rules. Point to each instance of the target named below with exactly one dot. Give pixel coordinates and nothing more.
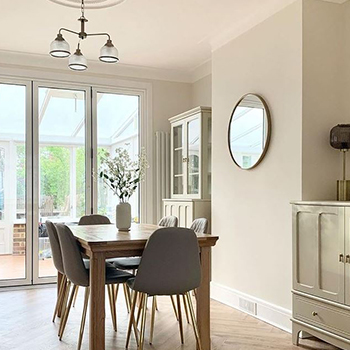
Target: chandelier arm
(99, 34)
(67, 30)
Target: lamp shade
(77, 61)
(340, 137)
(109, 53)
(59, 48)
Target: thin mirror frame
(269, 130)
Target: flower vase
(123, 216)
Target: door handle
(341, 258)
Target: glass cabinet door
(193, 156)
(178, 171)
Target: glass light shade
(77, 61)
(108, 53)
(59, 48)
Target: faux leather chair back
(73, 264)
(168, 221)
(170, 263)
(55, 246)
(200, 225)
(94, 219)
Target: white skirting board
(265, 311)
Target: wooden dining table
(100, 242)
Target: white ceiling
(163, 34)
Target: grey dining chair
(168, 221)
(170, 265)
(64, 287)
(58, 263)
(97, 219)
(134, 262)
(200, 225)
(94, 219)
(78, 274)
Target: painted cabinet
(190, 166)
(191, 154)
(321, 271)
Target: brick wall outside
(19, 239)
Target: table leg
(97, 302)
(59, 280)
(203, 300)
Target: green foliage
(80, 180)
(121, 174)
(55, 174)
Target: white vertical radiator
(162, 170)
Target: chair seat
(113, 276)
(131, 283)
(126, 263)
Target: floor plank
(25, 323)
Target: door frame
(27, 280)
(145, 141)
(36, 175)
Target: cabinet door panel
(318, 241)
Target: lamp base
(343, 190)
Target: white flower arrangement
(121, 174)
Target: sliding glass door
(116, 125)
(15, 183)
(60, 120)
(53, 137)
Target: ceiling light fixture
(59, 48)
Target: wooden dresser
(321, 271)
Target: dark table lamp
(340, 139)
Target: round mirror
(249, 131)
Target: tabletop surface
(109, 233)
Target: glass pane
(193, 156)
(117, 127)
(178, 156)
(61, 164)
(12, 181)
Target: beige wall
(250, 209)
(324, 68)
(202, 92)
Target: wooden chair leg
(132, 322)
(63, 305)
(66, 314)
(194, 322)
(156, 302)
(180, 318)
(75, 296)
(143, 321)
(111, 294)
(141, 301)
(174, 307)
(59, 297)
(126, 295)
(154, 307)
(186, 309)
(83, 317)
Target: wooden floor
(25, 324)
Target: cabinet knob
(341, 258)
(314, 313)
(347, 259)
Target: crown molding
(201, 71)
(336, 1)
(46, 63)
